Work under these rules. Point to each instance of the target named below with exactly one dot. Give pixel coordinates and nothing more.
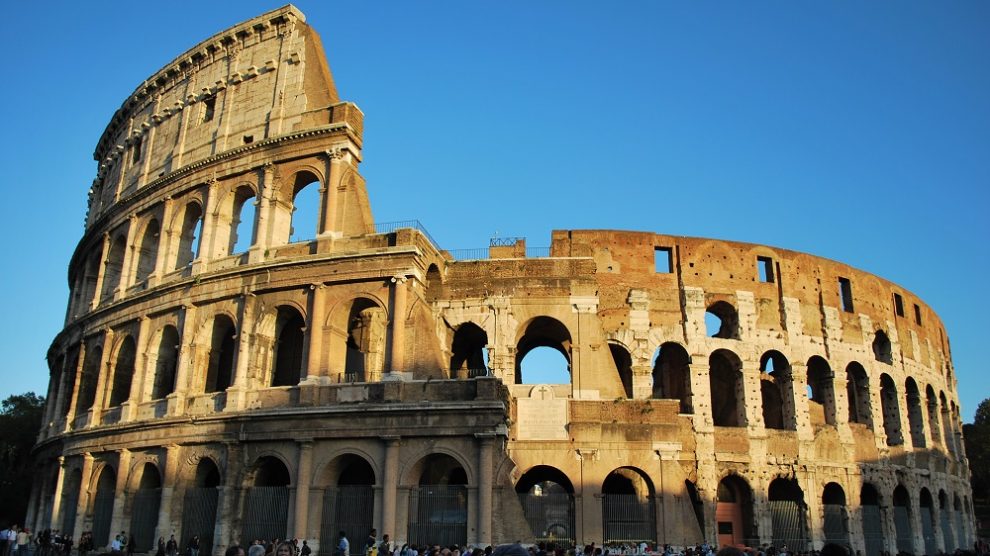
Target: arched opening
(933, 424)
(166, 363)
(957, 511)
(547, 499)
(148, 254)
(192, 224)
(836, 526)
(891, 411)
(223, 347)
(722, 321)
(348, 501)
(90, 278)
(287, 359)
(305, 208)
(366, 330)
(927, 509)
(623, 367)
(266, 503)
(699, 509)
(438, 503)
(902, 520)
(89, 378)
(728, 395)
(672, 375)
(242, 214)
(872, 521)
(945, 522)
(70, 503)
(144, 509)
(788, 514)
(821, 391)
(434, 283)
(103, 506)
(199, 508)
(123, 372)
(950, 439)
(775, 390)
(468, 357)
(858, 393)
(734, 513)
(881, 348)
(916, 421)
(549, 365)
(113, 266)
(628, 508)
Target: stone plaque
(542, 416)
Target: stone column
(61, 393)
(84, 494)
(399, 290)
(57, 500)
(799, 400)
(117, 523)
(227, 504)
(183, 368)
(70, 415)
(328, 217)
(263, 239)
(701, 397)
(129, 250)
(170, 480)
(164, 241)
(390, 480)
(485, 501)
(304, 478)
(317, 315)
(207, 242)
(753, 399)
(236, 393)
(101, 274)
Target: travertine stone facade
(230, 370)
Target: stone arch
(235, 219)
(931, 406)
(547, 498)
(725, 323)
(288, 355)
(113, 265)
(622, 360)
(434, 283)
(776, 391)
(891, 411)
(916, 420)
(734, 515)
(672, 375)
(945, 520)
(145, 502)
(542, 332)
(903, 530)
(628, 506)
(358, 329)
(727, 389)
(468, 357)
(123, 371)
(835, 514)
(304, 199)
(950, 439)
(102, 505)
(926, 507)
(166, 362)
(147, 255)
(882, 350)
(438, 501)
(266, 498)
(858, 395)
(872, 520)
(70, 501)
(222, 344)
(788, 513)
(348, 480)
(92, 366)
(413, 472)
(188, 224)
(821, 387)
(200, 502)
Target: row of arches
(172, 236)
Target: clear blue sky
(854, 131)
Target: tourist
(343, 545)
(171, 547)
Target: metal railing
(389, 227)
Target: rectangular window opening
(917, 314)
(137, 151)
(899, 305)
(209, 106)
(846, 294)
(764, 266)
(662, 261)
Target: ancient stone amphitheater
(230, 370)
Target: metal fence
(266, 511)
(389, 227)
(928, 530)
(438, 515)
(950, 545)
(835, 524)
(788, 521)
(349, 509)
(550, 517)
(144, 518)
(199, 515)
(102, 513)
(960, 531)
(70, 505)
(872, 530)
(628, 518)
(902, 527)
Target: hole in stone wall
(845, 294)
(662, 261)
(764, 267)
(898, 305)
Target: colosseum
(231, 370)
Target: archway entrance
(144, 510)
(734, 512)
(869, 507)
(628, 507)
(103, 506)
(438, 504)
(836, 518)
(199, 509)
(787, 514)
(902, 520)
(547, 499)
(349, 504)
(266, 502)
